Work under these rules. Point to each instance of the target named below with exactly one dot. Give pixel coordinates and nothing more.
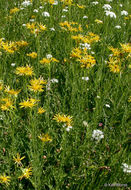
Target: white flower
(118, 27)
(107, 7)
(65, 10)
(23, 24)
(48, 56)
(85, 45)
(110, 13)
(97, 135)
(26, 3)
(68, 128)
(125, 13)
(54, 80)
(55, 3)
(85, 16)
(35, 11)
(46, 14)
(52, 29)
(126, 168)
(12, 64)
(32, 20)
(107, 105)
(85, 123)
(63, 16)
(94, 3)
(85, 78)
(121, 5)
(41, 7)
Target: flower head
(26, 173)
(5, 179)
(18, 159)
(27, 70)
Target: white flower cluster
(68, 128)
(111, 14)
(125, 13)
(45, 14)
(85, 45)
(26, 3)
(107, 7)
(126, 168)
(94, 3)
(85, 78)
(97, 135)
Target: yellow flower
(126, 47)
(98, 21)
(27, 70)
(28, 103)
(45, 138)
(18, 159)
(81, 6)
(26, 173)
(42, 27)
(116, 51)
(87, 61)
(1, 85)
(63, 119)
(129, 99)
(14, 10)
(22, 43)
(36, 85)
(41, 110)
(33, 55)
(12, 91)
(8, 104)
(5, 179)
(45, 61)
(114, 64)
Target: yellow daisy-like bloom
(26, 173)
(8, 104)
(98, 21)
(5, 179)
(28, 103)
(14, 10)
(81, 6)
(45, 138)
(116, 51)
(63, 119)
(126, 47)
(114, 64)
(32, 55)
(27, 70)
(48, 61)
(87, 61)
(129, 99)
(18, 159)
(12, 91)
(36, 85)
(41, 110)
(22, 43)
(42, 27)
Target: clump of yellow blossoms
(12, 47)
(14, 10)
(45, 138)
(81, 6)
(18, 159)
(119, 56)
(114, 64)
(48, 60)
(67, 2)
(36, 28)
(89, 38)
(36, 85)
(41, 110)
(29, 103)
(27, 70)
(12, 91)
(32, 55)
(26, 173)
(63, 119)
(84, 58)
(4, 179)
(69, 26)
(8, 104)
